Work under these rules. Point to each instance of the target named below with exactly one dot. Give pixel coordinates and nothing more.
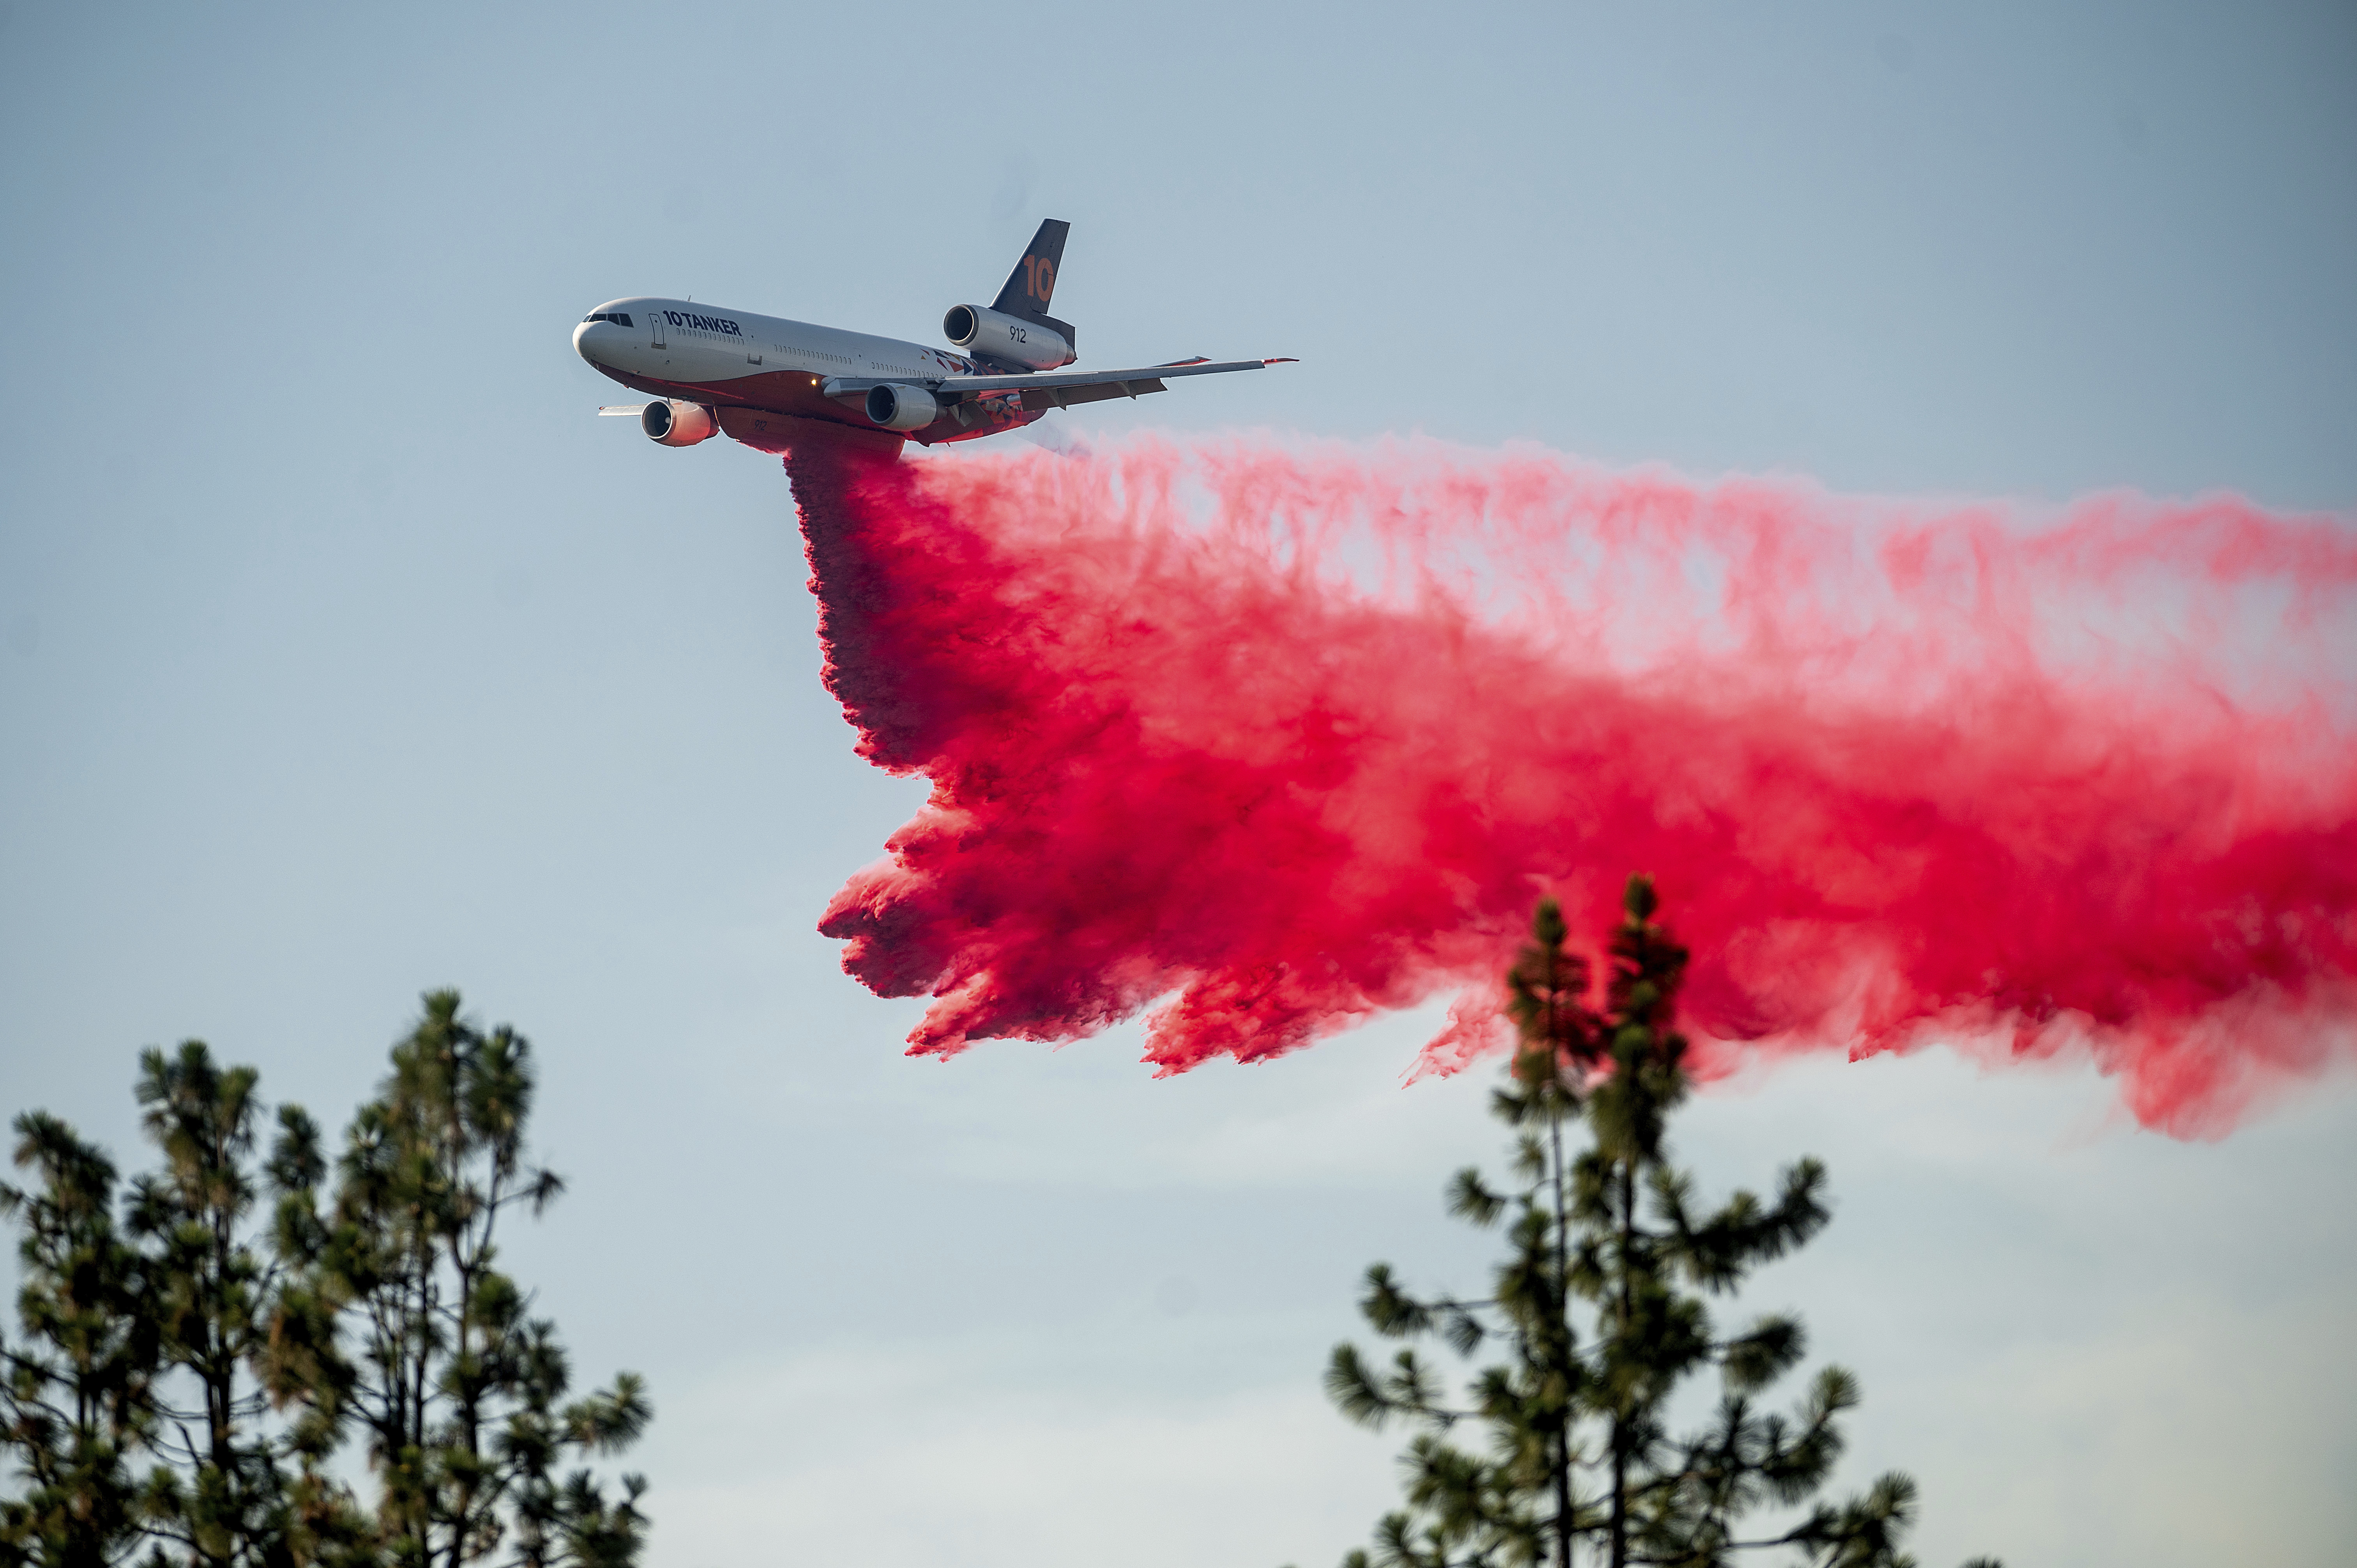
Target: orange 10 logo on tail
(1038, 278)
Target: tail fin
(1032, 284)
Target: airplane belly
(782, 392)
(765, 431)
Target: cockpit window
(618, 318)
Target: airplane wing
(1052, 389)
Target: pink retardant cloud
(1268, 739)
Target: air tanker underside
(761, 380)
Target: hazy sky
(343, 653)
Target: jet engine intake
(994, 335)
(902, 408)
(675, 423)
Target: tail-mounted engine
(1010, 339)
(675, 423)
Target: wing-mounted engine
(902, 407)
(1009, 339)
(671, 423)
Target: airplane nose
(585, 337)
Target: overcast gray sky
(344, 654)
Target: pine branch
(1470, 1199)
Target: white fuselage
(702, 353)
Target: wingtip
(1286, 360)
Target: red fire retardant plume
(1270, 739)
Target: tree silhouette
(458, 1390)
(239, 1357)
(1600, 1309)
(75, 1395)
(206, 1294)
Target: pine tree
(459, 1391)
(1601, 1307)
(301, 1367)
(238, 1362)
(215, 1500)
(74, 1399)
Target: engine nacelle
(902, 408)
(675, 423)
(994, 335)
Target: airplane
(762, 379)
